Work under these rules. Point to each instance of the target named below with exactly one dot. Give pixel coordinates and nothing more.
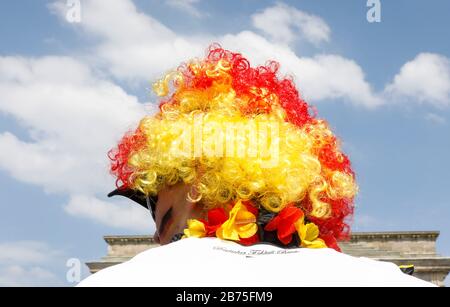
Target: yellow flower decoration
(309, 234)
(195, 229)
(240, 224)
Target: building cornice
(140, 239)
(355, 237)
(395, 235)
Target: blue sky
(69, 90)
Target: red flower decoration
(216, 217)
(284, 223)
(331, 242)
(250, 241)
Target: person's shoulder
(329, 267)
(140, 269)
(189, 262)
(123, 273)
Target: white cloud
(286, 24)
(20, 276)
(25, 263)
(425, 79)
(187, 6)
(436, 119)
(318, 78)
(121, 215)
(143, 49)
(73, 119)
(332, 76)
(27, 252)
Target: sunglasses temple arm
(149, 206)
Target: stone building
(403, 248)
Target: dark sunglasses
(148, 202)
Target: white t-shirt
(213, 262)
